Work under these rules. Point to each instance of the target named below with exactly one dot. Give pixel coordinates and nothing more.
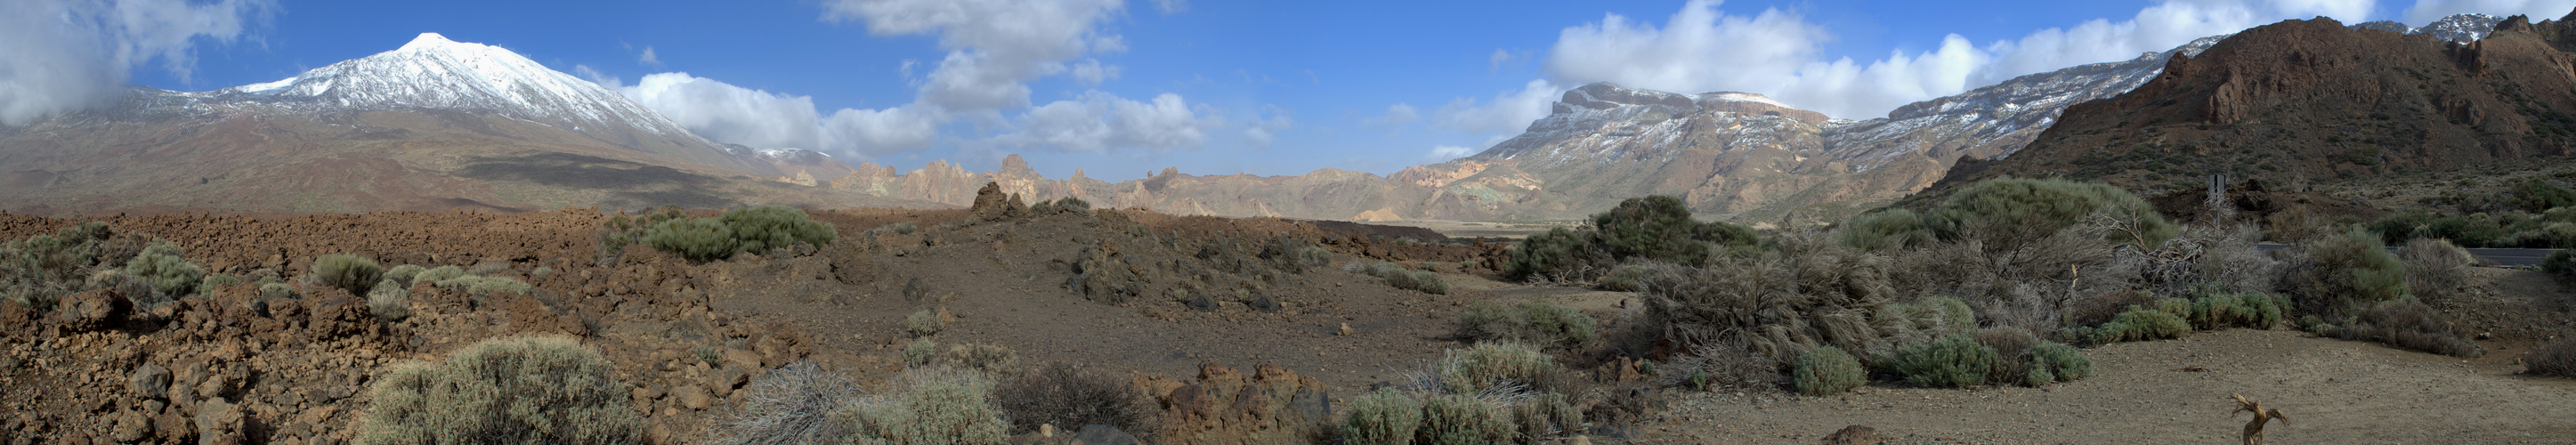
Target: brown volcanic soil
(2313, 101)
(297, 373)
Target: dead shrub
(790, 405)
(1070, 397)
(2013, 349)
(2435, 269)
(2411, 325)
(2557, 358)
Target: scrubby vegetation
(348, 272)
(1386, 417)
(506, 390)
(1950, 362)
(1654, 228)
(1414, 280)
(1067, 205)
(1534, 321)
(927, 406)
(2557, 358)
(753, 229)
(1070, 397)
(923, 323)
(1828, 370)
(40, 270)
(1495, 392)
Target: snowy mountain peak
(434, 72)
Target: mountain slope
(2313, 100)
(436, 124)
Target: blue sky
(1119, 88)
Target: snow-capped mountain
(2462, 28)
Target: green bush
(2560, 264)
(1950, 362)
(759, 229)
(2141, 324)
(1385, 417)
(164, 267)
(1556, 253)
(2064, 363)
(388, 301)
(2536, 195)
(347, 272)
(1426, 282)
(1067, 204)
(923, 323)
(1828, 370)
(1471, 370)
(1890, 229)
(2018, 210)
(920, 352)
(1458, 419)
(698, 239)
(1660, 228)
(1533, 321)
(508, 390)
(486, 286)
(2215, 310)
(1630, 277)
(928, 407)
(2346, 269)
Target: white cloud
(648, 58)
(2427, 11)
(1172, 6)
(1092, 72)
(733, 114)
(63, 55)
(1777, 53)
(995, 46)
(1508, 112)
(1398, 114)
(1096, 122)
(1445, 153)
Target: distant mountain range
(441, 124)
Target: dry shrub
(2557, 358)
(547, 389)
(2411, 325)
(1384, 417)
(1951, 362)
(1462, 419)
(939, 405)
(1488, 365)
(1534, 321)
(1069, 397)
(790, 405)
(2435, 269)
(1809, 292)
(2337, 271)
(1715, 366)
(2012, 354)
(2140, 324)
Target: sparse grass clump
(389, 301)
(1828, 370)
(923, 323)
(438, 274)
(1066, 396)
(348, 272)
(1534, 321)
(507, 390)
(1485, 365)
(790, 405)
(1414, 280)
(40, 270)
(403, 274)
(1950, 362)
(273, 291)
(932, 406)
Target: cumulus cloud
(1092, 72)
(63, 55)
(2427, 11)
(1445, 153)
(733, 114)
(1777, 53)
(1507, 112)
(994, 46)
(1096, 122)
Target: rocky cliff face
(2315, 100)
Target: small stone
(131, 427)
(1346, 330)
(150, 381)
